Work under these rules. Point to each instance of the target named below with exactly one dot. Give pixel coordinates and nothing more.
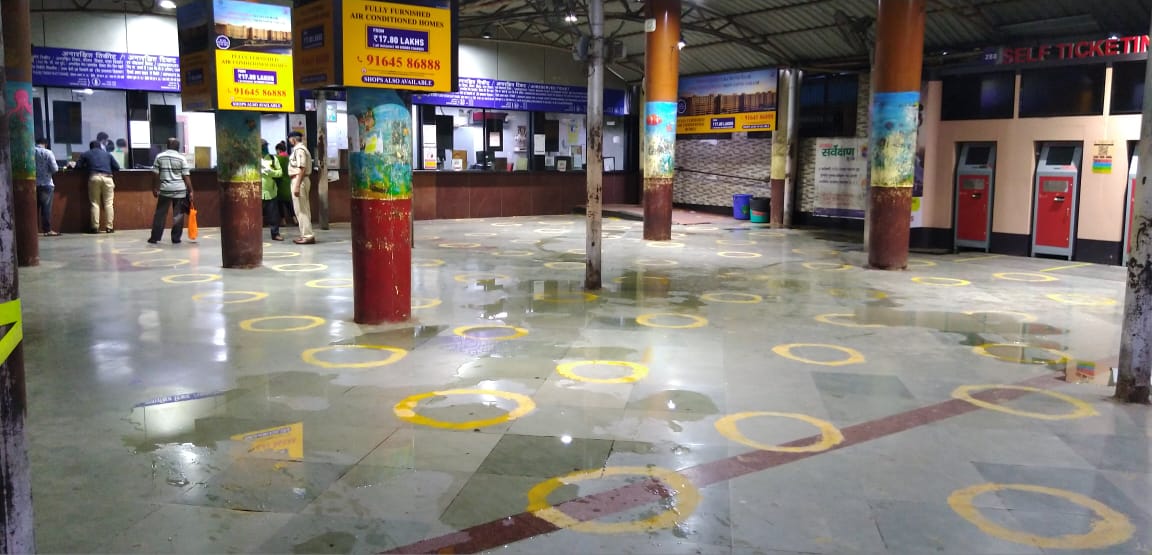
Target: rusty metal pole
(322, 155)
(1135, 365)
(17, 29)
(238, 172)
(780, 152)
(381, 180)
(791, 165)
(661, 82)
(594, 167)
(16, 532)
(892, 139)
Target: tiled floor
(178, 407)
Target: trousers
(101, 190)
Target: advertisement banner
(197, 81)
(727, 102)
(397, 46)
(314, 45)
(253, 56)
(494, 94)
(841, 177)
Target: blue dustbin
(740, 206)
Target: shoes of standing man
(304, 240)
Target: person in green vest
(284, 186)
(270, 173)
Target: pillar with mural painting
(661, 79)
(238, 172)
(381, 180)
(17, 30)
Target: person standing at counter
(100, 164)
(45, 166)
(270, 173)
(300, 169)
(172, 187)
(284, 186)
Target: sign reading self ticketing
(397, 46)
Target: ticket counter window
(100, 113)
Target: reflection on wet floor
(779, 399)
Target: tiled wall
(739, 156)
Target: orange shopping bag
(193, 228)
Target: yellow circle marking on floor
(458, 245)
(567, 369)
(1024, 316)
(853, 356)
(292, 268)
(1080, 409)
(161, 262)
(480, 234)
(251, 296)
(827, 266)
(617, 228)
(655, 262)
(647, 320)
(478, 276)
(579, 297)
(273, 255)
(775, 234)
(464, 331)
(1081, 300)
(525, 241)
(983, 350)
(395, 354)
(817, 252)
(191, 278)
(920, 263)
(1109, 528)
(406, 409)
(575, 251)
(847, 293)
(830, 435)
(265, 244)
(330, 283)
(703, 228)
(664, 244)
(426, 262)
(687, 498)
(432, 238)
(844, 319)
(732, 297)
(512, 253)
(506, 224)
(623, 279)
(136, 250)
(735, 242)
(564, 265)
(1027, 277)
(424, 302)
(551, 231)
(739, 254)
(313, 322)
(941, 281)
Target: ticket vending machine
(975, 171)
(1130, 208)
(1057, 191)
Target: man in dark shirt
(100, 164)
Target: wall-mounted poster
(727, 102)
(841, 177)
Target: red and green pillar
(381, 179)
(661, 83)
(238, 172)
(17, 29)
(892, 139)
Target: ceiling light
(167, 4)
(570, 18)
(486, 34)
(680, 45)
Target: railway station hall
(753, 277)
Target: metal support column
(17, 29)
(594, 167)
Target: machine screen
(1054, 185)
(973, 185)
(1060, 155)
(978, 155)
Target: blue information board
(515, 95)
(72, 67)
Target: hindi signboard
(72, 67)
(514, 95)
(841, 177)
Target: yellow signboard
(726, 123)
(314, 44)
(196, 81)
(397, 46)
(287, 440)
(254, 81)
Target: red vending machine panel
(972, 208)
(1054, 202)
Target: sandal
(304, 241)
(52, 234)
(277, 237)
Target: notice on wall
(841, 177)
(476, 92)
(1102, 156)
(398, 46)
(70, 67)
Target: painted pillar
(780, 151)
(661, 80)
(238, 171)
(17, 28)
(1135, 366)
(594, 168)
(322, 155)
(792, 164)
(15, 478)
(381, 179)
(892, 139)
